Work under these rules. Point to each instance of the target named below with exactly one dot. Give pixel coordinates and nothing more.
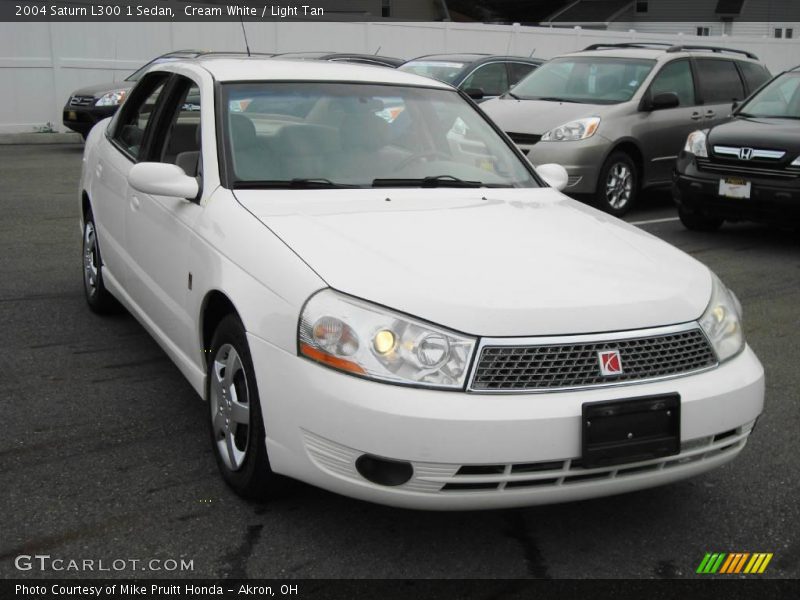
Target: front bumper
(771, 200)
(319, 421)
(82, 118)
(582, 159)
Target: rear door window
(719, 81)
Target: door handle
(135, 202)
(710, 113)
(696, 116)
(99, 170)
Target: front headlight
(374, 342)
(722, 321)
(112, 98)
(579, 129)
(696, 144)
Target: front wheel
(98, 297)
(237, 427)
(695, 221)
(617, 185)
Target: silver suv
(616, 115)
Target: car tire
(695, 221)
(618, 184)
(98, 297)
(236, 425)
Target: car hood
(102, 88)
(536, 116)
(766, 133)
(492, 262)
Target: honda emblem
(745, 153)
(610, 362)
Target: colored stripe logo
(734, 563)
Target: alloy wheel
(619, 185)
(230, 407)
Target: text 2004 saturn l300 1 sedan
(376, 294)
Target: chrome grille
(576, 365)
(81, 100)
(754, 168)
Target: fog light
(384, 471)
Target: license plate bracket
(624, 431)
(734, 187)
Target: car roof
(273, 69)
(475, 58)
(339, 56)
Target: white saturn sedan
(375, 293)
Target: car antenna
(376, 51)
(244, 33)
(531, 54)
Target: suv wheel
(696, 221)
(237, 428)
(617, 185)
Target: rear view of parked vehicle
(617, 115)
(748, 168)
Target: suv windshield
(445, 71)
(585, 79)
(780, 98)
(361, 135)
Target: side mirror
(554, 175)
(163, 179)
(663, 100)
(475, 93)
(735, 105)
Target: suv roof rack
(682, 47)
(646, 45)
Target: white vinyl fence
(41, 63)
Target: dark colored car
(747, 169)
(361, 59)
(87, 106)
(482, 76)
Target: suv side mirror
(475, 93)
(662, 101)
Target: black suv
(748, 168)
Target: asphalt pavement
(105, 452)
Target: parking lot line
(651, 221)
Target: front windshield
(362, 135)
(445, 71)
(780, 98)
(585, 79)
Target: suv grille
(763, 163)
(565, 366)
(81, 100)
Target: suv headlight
(722, 321)
(696, 144)
(579, 129)
(374, 342)
(112, 98)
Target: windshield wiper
(428, 182)
(752, 116)
(556, 99)
(513, 95)
(311, 183)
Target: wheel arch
(631, 147)
(216, 306)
